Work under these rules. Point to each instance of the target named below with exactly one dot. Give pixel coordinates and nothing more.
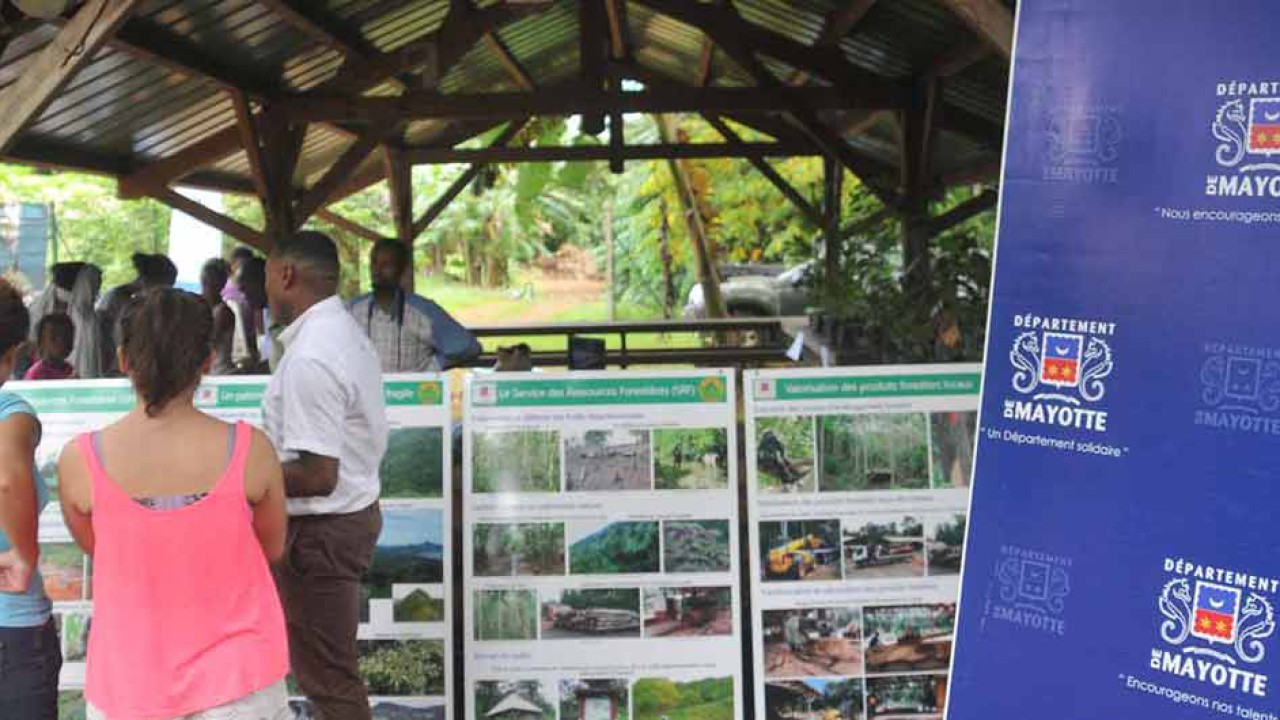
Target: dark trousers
(30, 659)
(319, 580)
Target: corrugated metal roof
(123, 109)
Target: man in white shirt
(324, 411)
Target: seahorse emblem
(1175, 605)
(1257, 622)
(1229, 128)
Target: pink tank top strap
(100, 485)
(234, 476)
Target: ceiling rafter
(838, 25)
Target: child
(55, 335)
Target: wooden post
(832, 187)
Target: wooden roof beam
(57, 62)
(447, 45)
(972, 207)
(705, 61)
(838, 25)
(591, 57)
(156, 43)
(961, 59)
(600, 153)
(509, 62)
(619, 37)
(442, 202)
(316, 22)
(787, 189)
(570, 101)
(989, 20)
(321, 194)
(351, 226)
(400, 188)
(239, 231)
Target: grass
(488, 306)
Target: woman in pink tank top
(182, 514)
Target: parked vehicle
(788, 293)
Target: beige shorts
(269, 703)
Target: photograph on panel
(688, 611)
(613, 548)
(569, 613)
(800, 550)
(953, 435)
(812, 641)
(883, 546)
(785, 454)
(515, 549)
(656, 698)
(888, 451)
(594, 699)
(909, 638)
(514, 700)
(515, 461)
(814, 699)
(607, 460)
(691, 459)
(413, 466)
(693, 546)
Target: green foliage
(620, 547)
(414, 463)
(403, 667)
(710, 699)
(509, 462)
(796, 435)
(696, 546)
(518, 549)
(678, 459)
(419, 606)
(93, 224)
(71, 705)
(951, 533)
(610, 598)
(875, 452)
(506, 615)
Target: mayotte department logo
(1083, 144)
(1033, 588)
(1217, 622)
(1240, 389)
(1060, 367)
(1247, 128)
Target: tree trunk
(707, 275)
(664, 250)
(608, 244)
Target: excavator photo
(796, 558)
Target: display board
(857, 494)
(600, 546)
(1121, 558)
(404, 636)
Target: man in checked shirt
(409, 332)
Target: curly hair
(166, 336)
(15, 321)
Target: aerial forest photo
(510, 550)
(691, 459)
(874, 452)
(410, 551)
(523, 461)
(414, 464)
(613, 548)
(785, 454)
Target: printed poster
(600, 546)
(405, 633)
(1121, 560)
(857, 487)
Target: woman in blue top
(30, 657)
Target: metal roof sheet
(124, 109)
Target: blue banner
(1123, 559)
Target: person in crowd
(55, 334)
(232, 292)
(73, 290)
(250, 278)
(152, 271)
(323, 409)
(213, 278)
(32, 655)
(182, 515)
(410, 332)
(86, 351)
